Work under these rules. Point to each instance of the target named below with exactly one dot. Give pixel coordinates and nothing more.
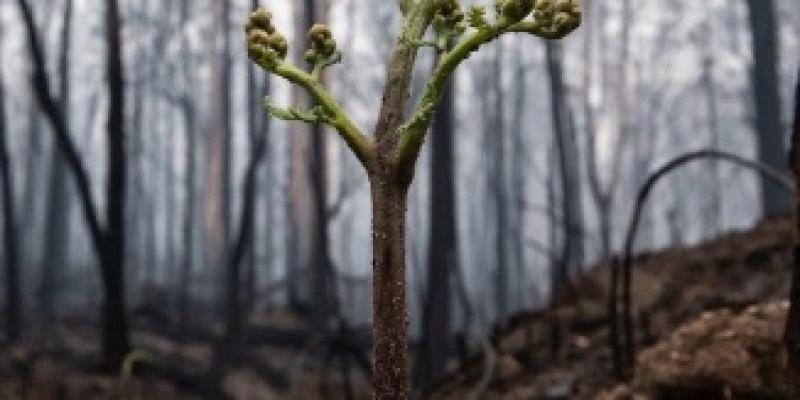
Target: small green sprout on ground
(390, 154)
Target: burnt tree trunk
(767, 101)
(188, 111)
(435, 342)
(9, 231)
(59, 204)
(793, 321)
(571, 255)
(108, 242)
(116, 343)
(497, 182)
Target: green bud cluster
(477, 16)
(265, 44)
(512, 11)
(323, 46)
(448, 21)
(558, 15)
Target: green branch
(314, 116)
(551, 21)
(268, 48)
(336, 117)
(412, 133)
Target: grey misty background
(636, 85)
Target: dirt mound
(564, 351)
(720, 355)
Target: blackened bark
(41, 86)
(188, 111)
(325, 296)
(116, 343)
(499, 189)
(571, 256)
(767, 101)
(109, 243)
(9, 231)
(390, 320)
(225, 104)
(59, 205)
(793, 320)
(234, 307)
(435, 346)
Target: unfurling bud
(558, 16)
(260, 19)
(323, 47)
(515, 10)
(448, 20)
(477, 16)
(264, 44)
(445, 7)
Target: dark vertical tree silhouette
(435, 346)
(390, 156)
(767, 101)
(571, 255)
(225, 114)
(498, 183)
(310, 270)
(187, 107)
(793, 319)
(12, 278)
(256, 126)
(108, 241)
(59, 204)
(237, 247)
(115, 322)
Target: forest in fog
(190, 209)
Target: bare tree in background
(188, 113)
(59, 202)
(496, 137)
(108, 241)
(793, 320)
(571, 255)
(435, 347)
(767, 101)
(310, 273)
(12, 279)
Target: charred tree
(116, 343)
(435, 347)
(108, 240)
(793, 320)
(59, 204)
(767, 102)
(497, 181)
(12, 278)
(187, 107)
(571, 255)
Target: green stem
(361, 145)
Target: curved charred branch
(51, 109)
(776, 176)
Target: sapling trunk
(390, 156)
(390, 361)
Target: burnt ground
(709, 322)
